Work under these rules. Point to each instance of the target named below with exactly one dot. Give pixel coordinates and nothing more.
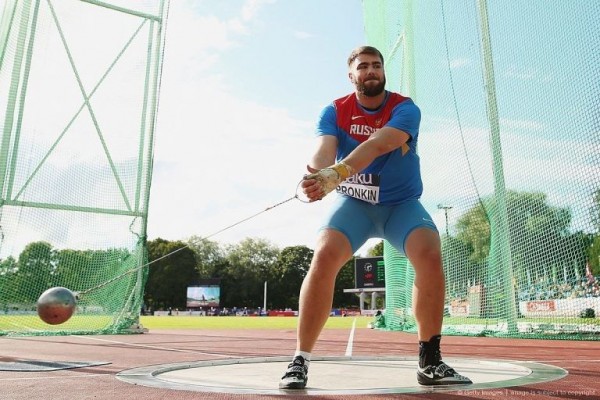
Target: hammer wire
(131, 271)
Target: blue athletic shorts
(360, 221)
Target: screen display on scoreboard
(369, 272)
(203, 296)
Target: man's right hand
(321, 182)
(311, 187)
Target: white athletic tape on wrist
(331, 177)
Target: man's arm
(397, 132)
(381, 142)
(324, 154)
(323, 180)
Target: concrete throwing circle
(335, 375)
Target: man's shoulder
(399, 103)
(347, 99)
(397, 98)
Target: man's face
(367, 74)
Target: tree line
(541, 241)
(242, 270)
(542, 245)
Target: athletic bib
(364, 187)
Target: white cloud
(303, 35)
(530, 125)
(252, 7)
(219, 158)
(459, 63)
(531, 162)
(195, 40)
(527, 74)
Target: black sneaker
(295, 376)
(440, 374)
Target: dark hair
(364, 50)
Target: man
(372, 134)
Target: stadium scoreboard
(369, 272)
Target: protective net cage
(510, 154)
(78, 94)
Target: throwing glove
(329, 178)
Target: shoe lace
(437, 356)
(295, 369)
(444, 370)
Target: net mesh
(510, 152)
(78, 94)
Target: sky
(243, 83)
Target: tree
(473, 229)
(8, 271)
(249, 263)
(595, 210)
(538, 233)
(458, 267)
(210, 256)
(71, 264)
(376, 251)
(594, 256)
(344, 280)
(169, 277)
(35, 269)
(286, 277)
(594, 249)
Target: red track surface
(580, 358)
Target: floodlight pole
(446, 208)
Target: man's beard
(371, 91)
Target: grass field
(194, 322)
(26, 323)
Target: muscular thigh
(352, 218)
(403, 220)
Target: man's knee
(333, 249)
(423, 248)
